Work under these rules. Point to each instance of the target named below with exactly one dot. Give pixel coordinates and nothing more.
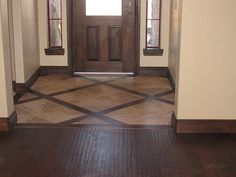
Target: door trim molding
(136, 36)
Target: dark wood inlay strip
(74, 107)
(117, 87)
(28, 100)
(72, 90)
(80, 109)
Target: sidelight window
(153, 28)
(54, 28)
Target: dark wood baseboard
(7, 123)
(161, 71)
(171, 80)
(203, 126)
(46, 70)
(21, 88)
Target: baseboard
(7, 123)
(46, 70)
(160, 71)
(203, 126)
(171, 80)
(21, 88)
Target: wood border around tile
(21, 88)
(203, 126)
(6, 124)
(161, 71)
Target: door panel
(103, 43)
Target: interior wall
(6, 95)
(18, 46)
(30, 36)
(11, 31)
(155, 61)
(51, 60)
(175, 36)
(207, 61)
(25, 25)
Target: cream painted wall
(175, 36)
(155, 61)
(11, 31)
(6, 95)
(30, 36)
(46, 60)
(25, 24)
(17, 26)
(207, 74)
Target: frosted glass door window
(103, 7)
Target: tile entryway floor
(97, 100)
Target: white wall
(155, 61)
(207, 74)
(46, 60)
(26, 42)
(6, 95)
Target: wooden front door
(103, 42)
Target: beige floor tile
(148, 113)
(98, 98)
(56, 83)
(92, 121)
(150, 85)
(43, 111)
(27, 96)
(170, 97)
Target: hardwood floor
(115, 152)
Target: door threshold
(105, 73)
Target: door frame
(136, 36)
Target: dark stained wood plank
(115, 152)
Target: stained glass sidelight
(153, 23)
(55, 23)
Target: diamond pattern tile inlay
(148, 113)
(97, 100)
(150, 85)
